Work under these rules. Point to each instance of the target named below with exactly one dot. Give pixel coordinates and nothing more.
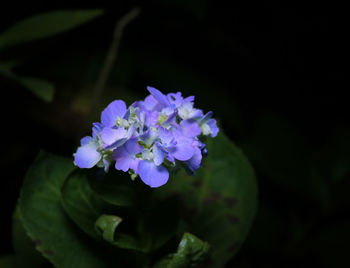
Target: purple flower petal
(165, 135)
(113, 110)
(86, 140)
(133, 147)
(206, 117)
(190, 128)
(150, 103)
(125, 155)
(158, 154)
(175, 98)
(196, 160)
(152, 175)
(189, 99)
(111, 135)
(213, 127)
(87, 156)
(96, 129)
(159, 96)
(125, 163)
(148, 137)
(171, 118)
(183, 150)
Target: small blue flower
(87, 155)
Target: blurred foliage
(45, 25)
(36, 28)
(273, 75)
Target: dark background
(273, 75)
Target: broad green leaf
(93, 215)
(116, 188)
(7, 261)
(160, 222)
(220, 201)
(144, 227)
(25, 253)
(191, 252)
(45, 220)
(46, 25)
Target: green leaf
(220, 202)
(106, 225)
(24, 247)
(159, 223)
(45, 220)
(40, 88)
(46, 25)
(7, 261)
(191, 251)
(8, 65)
(116, 188)
(93, 215)
(157, 219)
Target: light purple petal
(189, 99)
(87, 156)
(213, 127)
(165, 135)
(152, 118)
(86, 140)
(158, 154)
(113, 110)
(170, 158)
(97, 128)
(196, 113)
(206, 117)
(171, 118)
(123, 160)
(130, 132)
(123, 164)
(183, 150)
(148, 137)
(110, 135)
(175, 98)
(195, 161)
(159, 96)
(132, 147)
(152, 175)
(190, 128)
(150, 103)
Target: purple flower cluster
(149, 138)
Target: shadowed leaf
(220, 200)
(93, 215)
(24, 247)
(190, 252)
(45, 220)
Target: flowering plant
(148, 138)
(77, 219)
